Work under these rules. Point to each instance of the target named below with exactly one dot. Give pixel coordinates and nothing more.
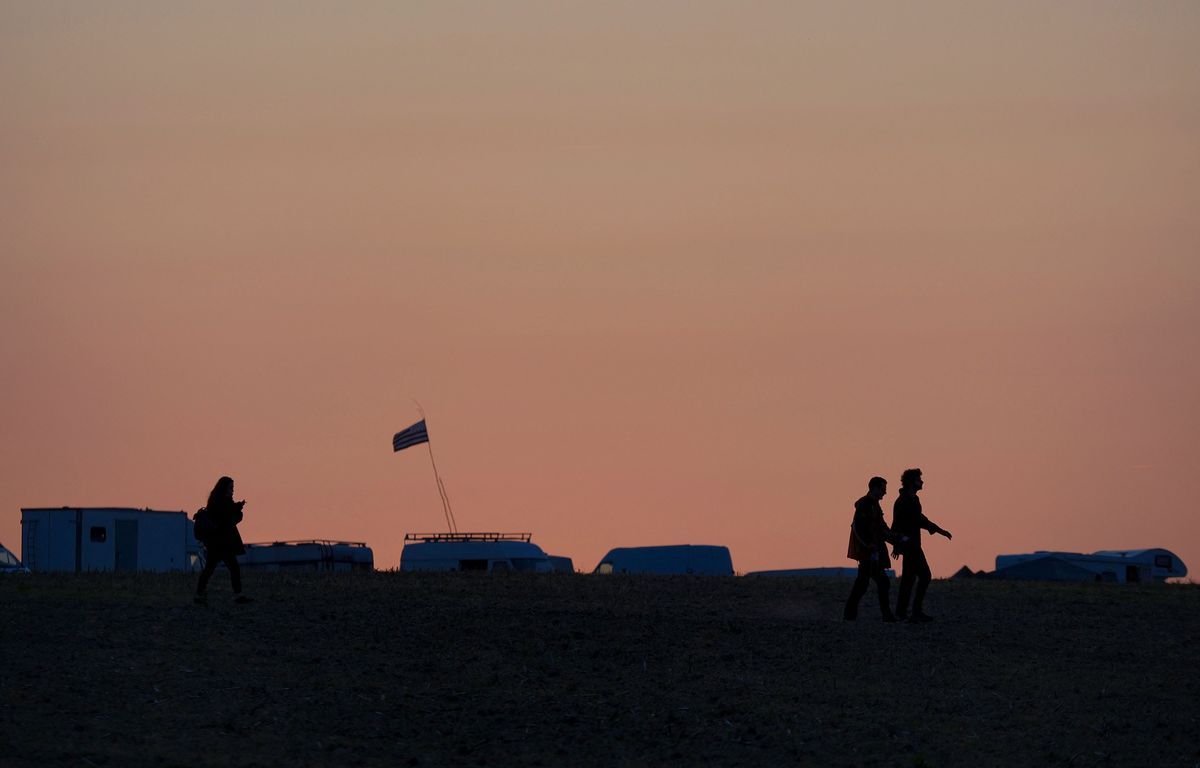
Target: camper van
(489, 552)
(701, 559)
(83, 539)
(308, 555)
(1122, 566)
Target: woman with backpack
(216, 529)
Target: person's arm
(933, 527)
(898, 539)
(889, 536)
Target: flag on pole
(410, 436)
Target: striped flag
(410, 436)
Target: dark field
(464, 669)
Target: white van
(488, 552)
(700, 559)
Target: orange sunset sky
(658, 272)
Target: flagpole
(447, 512)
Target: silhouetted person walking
(868, 537)
(907, 522)
(216, 528)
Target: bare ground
(464, 669)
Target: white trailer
(83, 539)
(1122, 566)
(308, 555)
(489, 552)
(699, 559)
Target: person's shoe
(920, 618)
(242, 599)
(901, 616)
(200, 600)
(889, 618)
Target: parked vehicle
(699, 559)
(82, 539)
(308, 555)
(9, 562)
(489, 552)
(1120, 565)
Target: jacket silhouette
(869, 533)
(224, 540)
(907, 522)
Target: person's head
(911, 480)
(222, 490)
(877, 487)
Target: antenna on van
(447, 511)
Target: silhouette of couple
(216, 528)
(869, 537)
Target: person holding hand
(869, 535)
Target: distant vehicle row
(82, 539)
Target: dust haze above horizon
(658, 273)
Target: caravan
(82, 539)
(308, 555)
(1123, 566)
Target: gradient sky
(658, 272)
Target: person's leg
(907, 576)
(235, 573)
(210, 565)
(923, 575)
(858, 590)
(884, 587)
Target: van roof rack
(461, 537)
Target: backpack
(202, 525)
